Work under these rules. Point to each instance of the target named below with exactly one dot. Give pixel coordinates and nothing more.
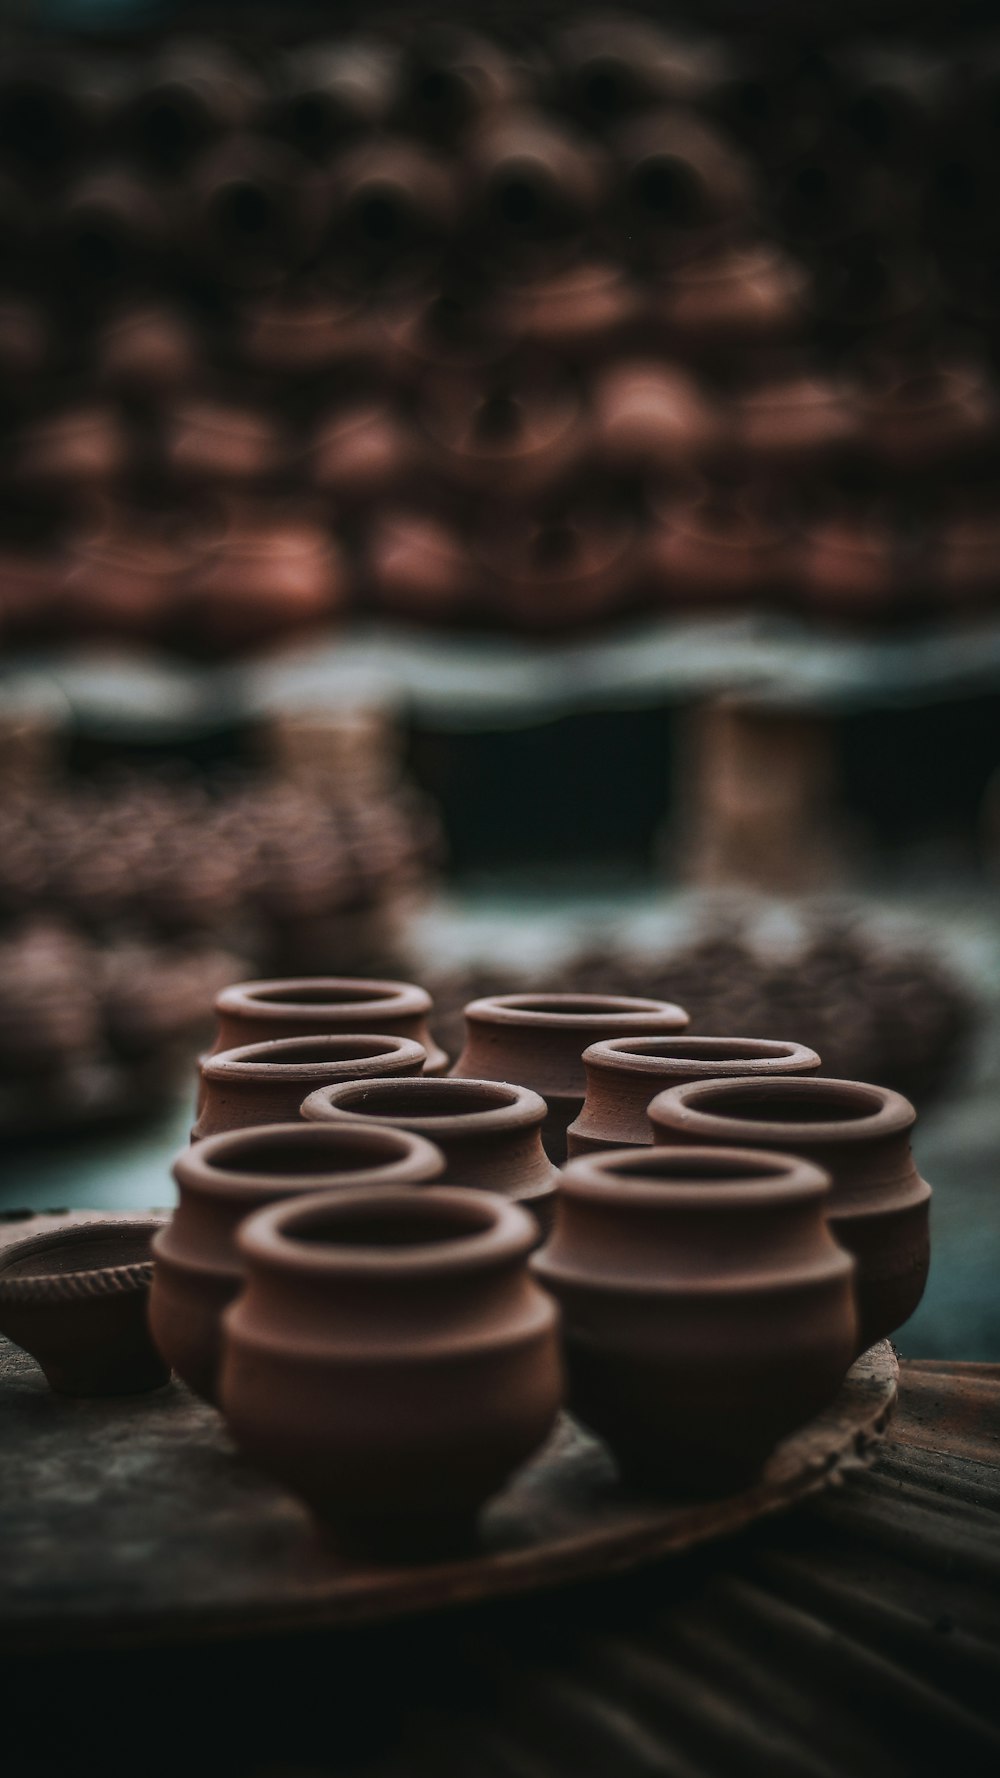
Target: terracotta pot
(391, 1361)
(731, 296)
(503, 440)
(124, 580)
(707, 1310)
(577, 312)
(293, 333)
(79, 448)
(419, 567)
(680, 186)
(557, 572)
(653, 417)
(796, 423)
(860, 1134)
(332, 93)
(265, 1083)
(362, 453)
(147, 349)
(267, 579)
(716, 546)
(254, 210)
(849, 565)
(391, 210)
(918, 419)
(224, 1179)
(488, 1132)
(612, 68)
(448, 79)
(76, 1297)
(625, 1073)
(321, 1006)
(216, 442)
(108, 232)
(438, 334)
(538, 1041)
(190, 93)
(532, 189)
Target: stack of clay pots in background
(389, 1275)
(529, 329)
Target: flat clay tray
(134, 1519)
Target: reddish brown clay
(547, 573)
(714, 546)
(489, 1132)
(76, 1298)
(506, 441)
(318, 1006)
(227, 1177)
(653, 416)
(362, 453)
(742, 294)
(578, 311)
(266, 579)
(800, 421)
(860, 1134)
(538, 1041)
(707, 1310)
(624, 1073)
(391, 1360)
(419, 566)
(265, 1083)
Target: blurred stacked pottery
(317, 1006)
(878, 1208)
(714, 320)
(220, 1182)
(538, 1040)
(266, 1083)
(391, 1360)
(489, 1132)
(707, 1309)
(625, 1073)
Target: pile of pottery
(877, 1006)
(277, 870)
(92, 1031)
(389, 1276)
(531, 328)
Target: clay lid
(391, 1235)
(309, 1059)
(709, 1056)
(448, 1108)
(701, 1179)
(304, 1157)
(750, 1109)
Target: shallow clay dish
(75, 1297)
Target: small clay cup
(265, 1083)
(489, 1133)
(391, 1360)
(538, 1040)
(226, 1178)
(624, 1073)
(76, 1297)
(707, 1309)
(319, 1006)
(860, 1135)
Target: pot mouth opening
(797, 1108)
(795, 1105)
(577, 1007)
(325, 1150)
(389, 1225)
(299, 1052)
(321, 994)
(705, 1051)
(425, 1098)
(700, 1167)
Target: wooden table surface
(859, 1634)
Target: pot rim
(501, 1232)
(552, 1012)
(686, 1180)
(196, 1169)
(86, 1283)
(637, 1055)
(688, 1108)
(516, 1107)
(261, 1062)
(358, 994)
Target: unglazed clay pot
(707, 1310)
(538, 1041)
(849, 565)
(391, 1360)
(625, 1073)
(579, 311)
(252, 210)
(679, 185)
(320, 1006)
(490, 1133)
(557, 571)
(795, 421)
(505, 441)
(362, 453)
(265, 1083)
(226, 1178)
(734, 296)
(860, 1134)
(267, 579)
(216, 442)
(76, 1298)
(391, 208)
(532, 189)
(714, 547)
(419, 566)
(653, 416)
